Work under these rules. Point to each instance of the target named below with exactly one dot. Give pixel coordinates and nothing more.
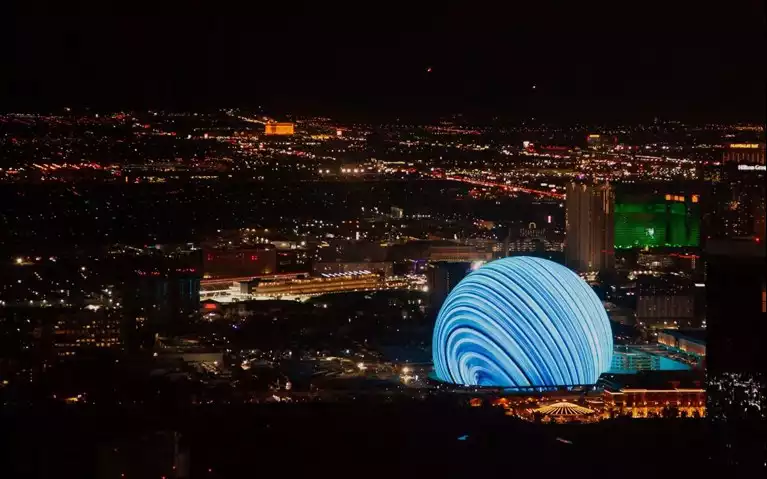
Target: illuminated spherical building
(519, 322)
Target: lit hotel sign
(751, 167)
(749, 146)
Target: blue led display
(520, 322)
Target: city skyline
(312, 234)
(232, 261)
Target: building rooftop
(735, 247)
(656, 380)
(695, 335)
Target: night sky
(603, 62)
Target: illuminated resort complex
(522, 322)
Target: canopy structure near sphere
(564, 409)
(522, 322)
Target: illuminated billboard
(658, 224)
(522, 322)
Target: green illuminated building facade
(657, 224)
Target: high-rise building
(736, 297)
(600, 142)
(663, 311)
(157, 289)
(744, 154)
(161, 300)
(237, 262)
(590, 227)
(87, 330)
(759, 219)
(736, 207)
(294, 260)
(443, 277)
(664, 221)
(665, 302)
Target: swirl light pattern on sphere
(520, 322)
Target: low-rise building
(689, 341)
(655, 393)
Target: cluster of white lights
(342, 275)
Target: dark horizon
(575, 63)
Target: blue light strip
(519, 322)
